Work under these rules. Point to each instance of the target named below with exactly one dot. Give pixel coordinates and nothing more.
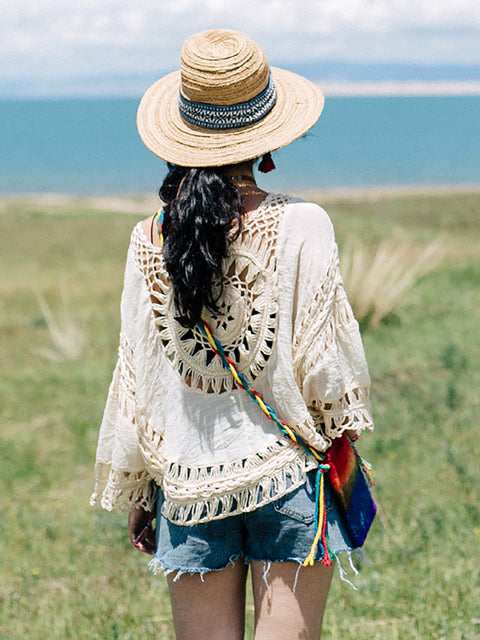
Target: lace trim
(194, 495)
(350, 413)
(115, 489)
(150, 442)
(246, 324)
(315, 330)
(127, 380)
(316, 334)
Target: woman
(179, 438)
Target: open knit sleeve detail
(329, 360)
(121, 479)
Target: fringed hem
(202, 494)
(157, 567)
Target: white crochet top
(174, 416)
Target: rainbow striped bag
(349, 479)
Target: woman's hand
(140, 530)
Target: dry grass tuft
(376, 281)
(68, 339)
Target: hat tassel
(266, 164)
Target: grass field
(68, 571)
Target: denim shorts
(280, 531)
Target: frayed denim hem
(342, 572)
(157, 567)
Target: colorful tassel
(321, 520)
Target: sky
(50, 42)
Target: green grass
(68, 571)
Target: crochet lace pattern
(314, 339)
(248, 306)
(131, 455)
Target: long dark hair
(201, 208)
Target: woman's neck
(242, 169)
(241, 176)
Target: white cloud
(62, 37)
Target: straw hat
(226, 104)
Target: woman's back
(213, 451)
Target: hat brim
(298, 106)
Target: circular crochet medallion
(247, 319)
(245, 327)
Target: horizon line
(329, 87)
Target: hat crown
(222, 67)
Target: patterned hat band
(213, 116)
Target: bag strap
(322, 465)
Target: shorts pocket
(299, 504)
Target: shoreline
(148, 203)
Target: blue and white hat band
(213, 116)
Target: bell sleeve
(329, 360)
(121, 480)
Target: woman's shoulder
(142, 254)
(147, 226)
(148, 229)
(307, 221)
(308, 212)
(144, 235)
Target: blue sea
(91, 146)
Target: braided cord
(256, 397)
(320, 511)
